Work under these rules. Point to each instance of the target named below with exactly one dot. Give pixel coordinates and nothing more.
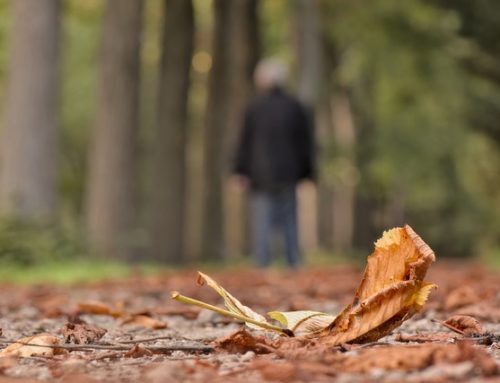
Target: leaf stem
(191, 301)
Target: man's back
(276, 145)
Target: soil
(131, 330)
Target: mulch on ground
(131, 330)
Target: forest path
(135, 348)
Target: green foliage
(403, 63)
(25, 244)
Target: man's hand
(240, 181)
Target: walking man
(275, 152)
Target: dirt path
(150, 338)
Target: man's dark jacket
(276, 144)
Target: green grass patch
(67, 272)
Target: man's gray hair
(270, 73)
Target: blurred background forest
(119, 119)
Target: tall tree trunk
(324, 131)
(310, 52)
(29, 150)
(366, 205)
(244, 46)
(311, 91)
(167, 199)
(112, 161)
(214, 139)
(344, 189)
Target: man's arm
(243, 151)
(306, 144)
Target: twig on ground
(144, 340)
(92, 347)
(448, 326)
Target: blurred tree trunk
(214, 139)
(366, 205)
(324, 124)
(29, 150)
(320, 89)
(344, 189)
(309, 52)
(112, 161)
(311, 88)
(169, 146)
(244, 46)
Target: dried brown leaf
(33, 346)
(232, 304)
(482, 360)
(242, 341)
(437, 337)
(486, 311)
(461, 296)
(81, 333)
(404, 358)
(144, 321)
(391, 291)
(302, 322)
(138, 351)
(468, 325)
(99, 308)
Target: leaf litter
(392, 290)
(371, 339)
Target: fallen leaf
(81, 333)
(479, 356)
(144, 321)
(460, 297)
(99, 308)
(487, 311)
(391, 291)
(35, 345)
(242, 341)
(398, 357)
(51, 305)
(468, 325)
(436, 337)
(232, 304)
(302, 322)
(138, 351)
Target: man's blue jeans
(270, 210)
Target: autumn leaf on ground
(303, 321)
(242, 341)
(144, 321)
(464, 324)
(80, 332)
(100, 308)
(35, 345)
(232, 304)
(391, 291)
(138, 351)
